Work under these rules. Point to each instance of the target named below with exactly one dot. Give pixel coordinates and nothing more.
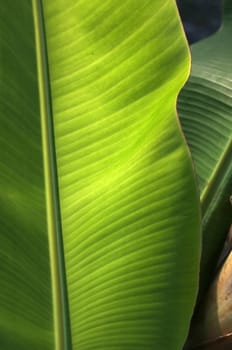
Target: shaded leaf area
(128, 198)
(220, 343)
(205, 107)
(25, 292)
(212, 324)
(200, 18)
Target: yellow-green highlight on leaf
(205, 106)
(129, 203)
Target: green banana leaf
(100, 223)
(205, 107)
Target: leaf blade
(111, 139)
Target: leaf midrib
(62, 330)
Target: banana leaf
(100, 223)
(205, 107)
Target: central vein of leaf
(60, 300)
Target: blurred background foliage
(200, 18)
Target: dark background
(200, 17)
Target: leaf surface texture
(126, 189)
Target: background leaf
(205, 106)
